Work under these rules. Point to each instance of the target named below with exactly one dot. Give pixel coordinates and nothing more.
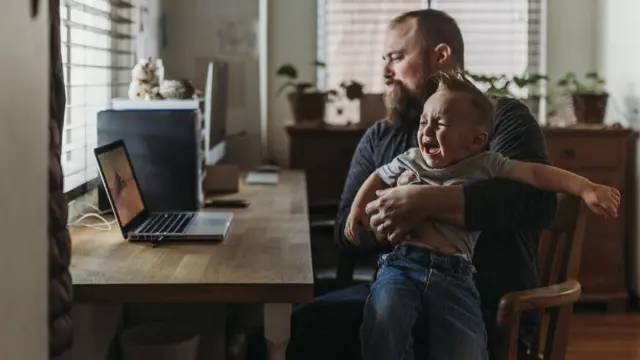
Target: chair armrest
(513, 304)
(564, 293)
(322, 223)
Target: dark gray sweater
(509, 214)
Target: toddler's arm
(365, 195)
(601, 199)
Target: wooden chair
(559, 263)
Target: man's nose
(387, 71)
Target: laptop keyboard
(170, 223)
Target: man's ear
(443, 59)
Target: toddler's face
(448, 132)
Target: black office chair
(333, 269)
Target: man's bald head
(433, 27)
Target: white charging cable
(104, 224)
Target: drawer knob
(569, 153)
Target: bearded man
(510, 215)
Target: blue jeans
(415, 282)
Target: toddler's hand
(356, 216)
(406, 178)
(602, 200)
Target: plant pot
(589, 108)
(308, 107)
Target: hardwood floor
(604, 336)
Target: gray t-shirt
(484, 165)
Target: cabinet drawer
(579, 152)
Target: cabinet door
(325, 157)
(602, 270)
(23, 183)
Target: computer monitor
(215, 110)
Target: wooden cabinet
(324, 153)
(606, 156)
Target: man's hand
(356, 216)
(602, 200)
(397, 211)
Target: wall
(147, 26)
(290, 39)
(570, 46)
(191, 31)
(619, 63)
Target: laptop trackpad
(210, 224)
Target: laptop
(135, 220)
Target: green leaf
(354, 91)
(520, 82)
(288, 70)
(592, 75)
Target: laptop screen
(121, 184)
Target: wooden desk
(266, 258)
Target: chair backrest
(559, 255)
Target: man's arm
(508, 205)
(362, 165)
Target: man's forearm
(445, 203)
(488, 205)
(507, 205)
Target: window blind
(500, 37)
(97, 55)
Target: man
(509, 214)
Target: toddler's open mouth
(432, 149)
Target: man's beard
(405, 106)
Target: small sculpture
(145, 84)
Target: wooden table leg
(277, 322)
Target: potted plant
(307, 103)
(350, 90)
(589, 98)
